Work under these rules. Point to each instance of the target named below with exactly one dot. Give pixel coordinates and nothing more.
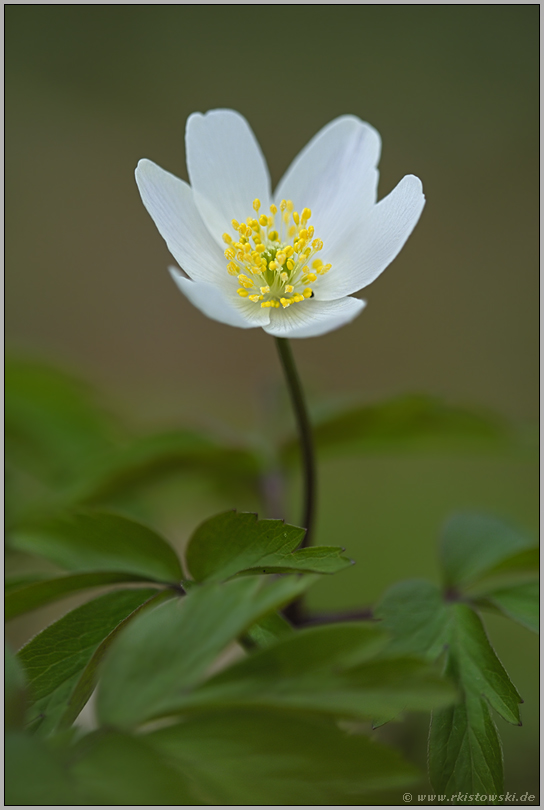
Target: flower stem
(305, 434)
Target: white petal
(170, 202)
(335, 176)
(311, 318)
(226, 168)
(373, 243)
(216, 304)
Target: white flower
(287, 262)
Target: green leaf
(325, 669)
(34, 595)
(247, 757)
(100, 541)
(53, 425)
(56, 658)
(236, 542)
(148, 458)
(519, 602)
(36, 773)
(267, 631)
(14, 691)
(414, 424)
(464, 749)
(472, 545)
(415, 613)
(518, 569)
(116, 769)
(465, 752)
(169, 650)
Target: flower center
(275, 264)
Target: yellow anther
(263, 220)
(296, 217)
(283, 205)
(241, 255)
(273, 209)
(285, 302)
(288, 250)
(290, 205)
(281, 258)
(306, 214)
(311, 276)
(290, 264)
(298, 297)
(292, 231)
(232, 268)
(265, 290)
(242, 293)
(256, 240)
(235, 225)
(298, 246)
(242, 228)
(308, 292)
(289, 288)
(276, 303)
(273, 236)
(230, 253)
(266, 304)
(303, 234)
(273, 265)
(317, 264)
(270, 221)
(317, 244)
(284, 276)
(260, 248)
(256, 204)
(326, 268)
(247, 248)
(247, 282)
(227, 238)
(255, 298)
(311, 231)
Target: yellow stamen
(273, 209)
(308, 292)
(289, 288)
(256, 204)
(265, 290)
(242, 293)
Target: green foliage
(464, 746)
(413, 424)
(235, 543)
(60, 662)
(98, 541)
(206, 693)
(169, 650)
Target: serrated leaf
(519, 602)
(36, 594)
(169, 649)
(246, 757)
(117, 769)
(414, 424)
(480, 670)
(54, 660)
(465, 752)
(236, 542)
(146, 459)
(473, 545)
(101, 541)
(415, 613)
(325, 669)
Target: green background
(453, 91)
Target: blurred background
(453, 91)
